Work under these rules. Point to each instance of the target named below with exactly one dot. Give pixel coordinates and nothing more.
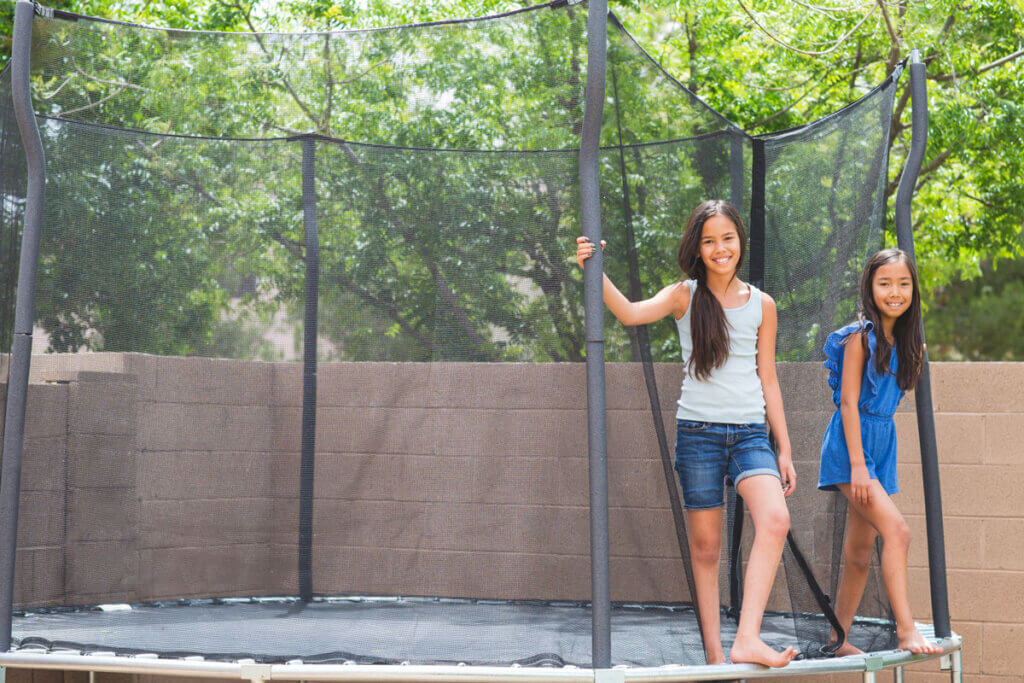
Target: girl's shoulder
(835, 342)
(684, 290)
(680, 292)
(756, 295)
(835, 345)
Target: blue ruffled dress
(879, 397)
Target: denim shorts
(710, 453)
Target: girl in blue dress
(871, 364)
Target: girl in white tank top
(727, 334)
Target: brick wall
(146, 477)
(161, 480)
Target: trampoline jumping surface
(368, 636)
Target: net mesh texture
(163, 444)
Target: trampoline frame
(867, 664)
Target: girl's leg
(705, 534)
(887, 520)
(857, 550)
(763, 497)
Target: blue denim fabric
(709, 453)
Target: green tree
(210, 228)
(772, 65)
(979, 318)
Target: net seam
(74, 16)
(621, 27)
(342, 141)
(890, 79)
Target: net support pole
(590, 216)
(309, 352)
(923, 391)
(21, 352)
(758, 179)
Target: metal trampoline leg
(956, 667)
(869, 677)
(897, 675)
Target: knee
(705, 551)
(898, 534)
(774, 524)
(858, 555)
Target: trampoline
(286, 638)
(311, 363)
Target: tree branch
(96, 79)
(787, 108)
(247, 14)
(692, 48)
(447, 295)
(381, 304)
(926, 170)
(810, 53)
(94, 104)
(829, 12)
(893, 39)
(942, 78)
(856, 67)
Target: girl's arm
(854, 360)
(772, 394)
(672, 299)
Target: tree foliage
(979, 318)
(212, 234)
(772, 65)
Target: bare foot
(845, 650)
(756, 651)
(916, 643)
(716, 657)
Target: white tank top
(732, 394)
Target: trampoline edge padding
(246, 670)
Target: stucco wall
(147, 476)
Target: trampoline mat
(383, 631)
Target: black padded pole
(309, 349)
(758, 172)
(923, 391)
(21, 352)
(590, 216)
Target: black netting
(431, 86)
(147, 248)
(196, 184)
(447, 256)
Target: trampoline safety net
(399, 206)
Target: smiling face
(720, 248)
(892, 289)
(713, 241)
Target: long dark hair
(708, 328)
(907, 330)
